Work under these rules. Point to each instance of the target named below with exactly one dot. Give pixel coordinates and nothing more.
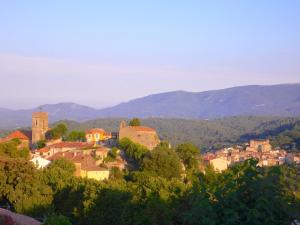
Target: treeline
(167, 188)
(212, 134)
(205, 134)
(288, 139)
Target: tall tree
(162, 161)
(57, 132)
(135, 122)
(188, 153)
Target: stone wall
(149, 139)
(39, 126)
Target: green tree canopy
(64, 164)
(22, 187)
(57, 220)
(41, 144)
(11, 149)
(162, 161)
(133, 150)
(188, 152)
(57, 132)
(76, 136)
(135, 122)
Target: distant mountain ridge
(254, 100)
(276, 100)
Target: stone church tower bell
(39, 126)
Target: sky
(100, 53)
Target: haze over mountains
(276, 100)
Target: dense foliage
(11, 149)
(133, 150)
(288, 139)
(204, 134)
(162, 161)
(244, 194)
(57, 132)
(135, 122)
(76, 136)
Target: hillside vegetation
(203, 133)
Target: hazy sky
(100, 53)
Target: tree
(113, 153)
(116, 173)
(23, 187)
(64, 164)
(133, 150)
(187, 152)
(57, 132)
(135, 122)
(76, 136)
(57, 220)
(41, 144)
(162, 161)
(10, 149)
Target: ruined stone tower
(122, 124)
(39, 126)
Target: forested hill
(203, 133)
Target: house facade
(97, 135)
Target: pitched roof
(95, 131)
(87, 162)
(43, 150)
(18, 134)
(78, 145)
(142, 128)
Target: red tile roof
(95, 131)
(87, 162)
(78, 145)
(43, 150)
(18, 134)
(142, 128)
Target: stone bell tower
(39, 126)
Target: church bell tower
(39, 126)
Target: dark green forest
(158, 192)
(207, 134)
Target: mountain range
(254, 100)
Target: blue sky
(100, 53)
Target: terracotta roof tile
(142, 128)
(78, 145)
(95, 130)
(87, 162)
(43, 150)
(18, 134)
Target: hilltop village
(99, 153)
(98, 176)
(94, 157)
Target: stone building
(260, 146)
(39, 126)
(85, 165)
(145, 136)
